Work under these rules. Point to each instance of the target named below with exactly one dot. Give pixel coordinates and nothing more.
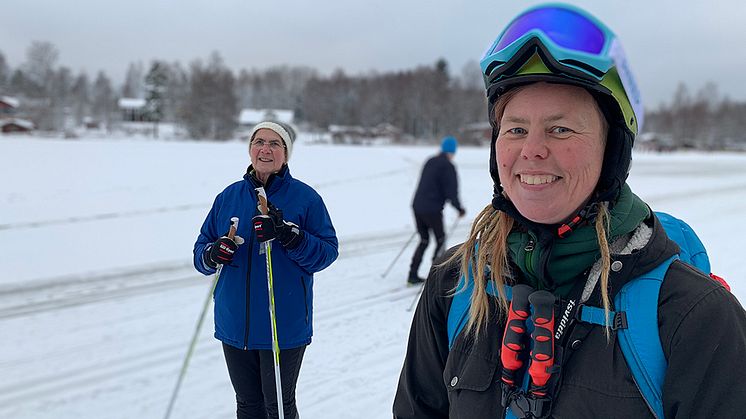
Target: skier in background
(305, 243)
(438, 184)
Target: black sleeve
(421, 392)
(706, 346)
(450, 185)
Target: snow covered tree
(155, 87)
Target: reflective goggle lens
(567, 28)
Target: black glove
(272, 226)
(221, 252)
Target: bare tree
(210, 110)
(80, 97)
(41, 58)
(133, 86)
(103, 98)
(4, 73)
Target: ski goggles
(573, 43)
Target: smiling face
(550, 150)
(267, 153)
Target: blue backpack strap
(458, 314)
(636, 323)
(640, 341)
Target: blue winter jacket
(241, 295)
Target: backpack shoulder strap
(640, 341)
(458, 314)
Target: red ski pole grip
(542, 354)
(514, 339)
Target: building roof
(23, 123)
(11, 101)
(131, 103)
(253, 116)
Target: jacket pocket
(468, 371)
(473, 392)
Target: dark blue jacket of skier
(241, 297)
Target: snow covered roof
(23, 123)
(131, 103)
(253, 116)
(13, 102)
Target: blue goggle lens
(566, 28)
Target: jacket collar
(274, 181)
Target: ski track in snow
(109, 343)
(74, 296)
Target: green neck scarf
(567, 259)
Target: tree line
(205, 97)
(704, 119)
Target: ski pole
(231, 234)
(262, 195)
(383, 275)
(417, 297)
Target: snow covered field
(98, 299)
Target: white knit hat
(285, 131)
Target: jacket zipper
(529, 249)
(248, 291)
(305, 301)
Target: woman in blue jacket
(306, 243)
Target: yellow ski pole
(231, 234)
(263, 208)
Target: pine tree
(155, 87)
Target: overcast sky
(667, 41)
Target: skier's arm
(707, 354)
(450, 184)
(318, 247)
(421, 392)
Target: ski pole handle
(542, 355)
(234, 228)
(262, 204)
(514, 341)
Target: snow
(253, 116)
(131, 103)
(10, 101)
(98, 299)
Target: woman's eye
(517, 131)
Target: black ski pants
(252, 374)
(427, 222)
